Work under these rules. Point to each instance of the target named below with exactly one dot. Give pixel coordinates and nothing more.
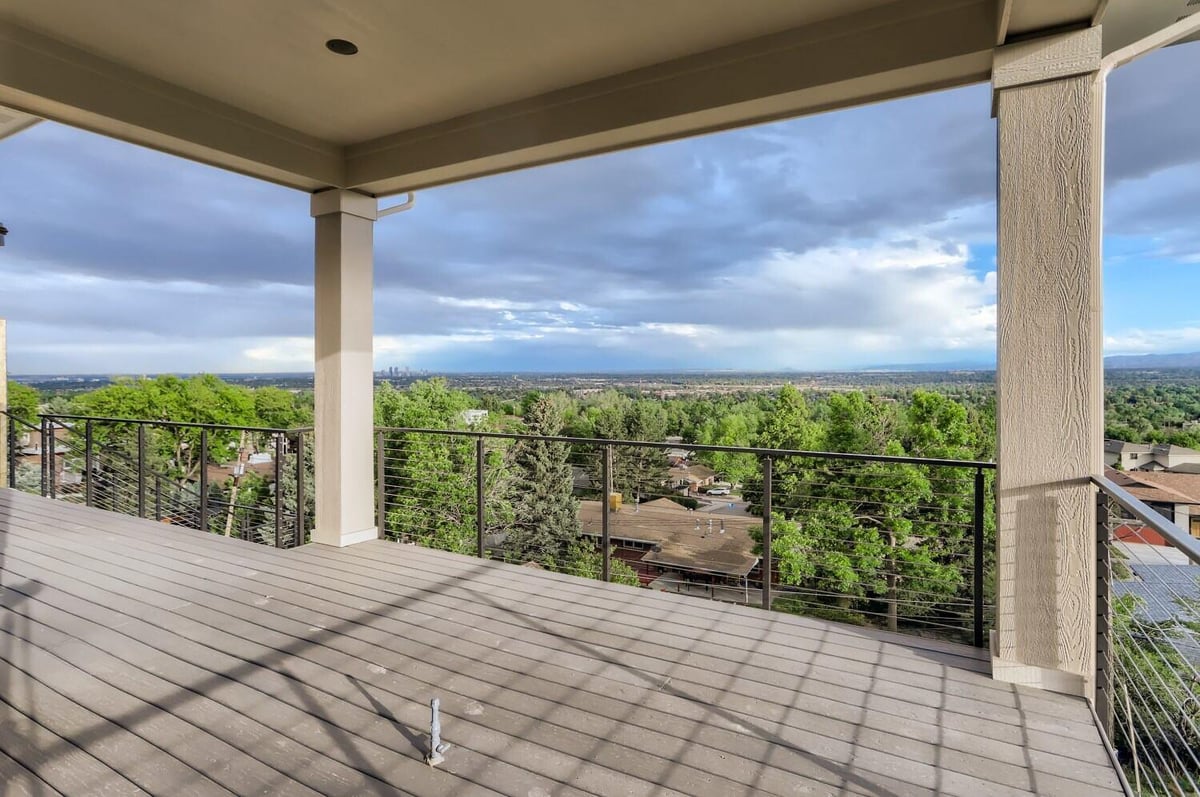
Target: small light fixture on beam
(341, 46)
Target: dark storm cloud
(658, 217)
(1152, 158)
(1153, 113)
(91, 205)
(651, 254)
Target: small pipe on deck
(436, 747)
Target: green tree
(736, 428)
(429, 479)
(289, 488)
(23, 402)
(202, 399)
(584, 560)
(59, 405)
(828, 557)
(860, 537)
(637, 472)
(279, 409)
(787, 425)
(858, 424)
(937, 426)
(545, 523)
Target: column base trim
(1061, 681)
(348, 538)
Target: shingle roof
(1159, 485)
(684, 539)
(1121, 447)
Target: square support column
(1049, 103)
(345, 371)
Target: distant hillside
(1116, 362)
(962, 365)
(1143, 361)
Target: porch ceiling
(451, 90)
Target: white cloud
(282, 354)
(1144, 341)
(484, 304)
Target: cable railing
(894, 542)
(243, 482)
(1148, 644)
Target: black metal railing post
(299, 539)
(380, 485)
(768, 563)
(605, 510)
(203, 480)
(278, 491)
(158, 515)
(141, 469)
(88, 465)
(12, 451)
(480, 520)
(1104, 681)
(42, 461)
(52, 460)
(45, 456)
(977, 575)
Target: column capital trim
(337, 200)
(1048, 58)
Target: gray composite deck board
(141, 657)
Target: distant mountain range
(1144, 361)
(951, 366)
(1116, 362)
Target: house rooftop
(142, 656)
(694, 472)
(1159, 486)
(1121, 447)
(685, 539)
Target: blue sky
(844, 240)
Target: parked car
(719, 491)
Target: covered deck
(136, 657)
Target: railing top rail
(1165, 528)
(21, 421)
(761, 452)
(172, 424)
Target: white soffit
(418, 62)
(454, 89)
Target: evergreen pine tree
(545, 525)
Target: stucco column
(1049, 103)
(344, 487)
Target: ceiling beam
(895, 50)
(13, 122)
(46, 78)
(1003, 15)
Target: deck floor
(136, 658)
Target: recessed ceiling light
(341, 47)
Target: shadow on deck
(138, 657)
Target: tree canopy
(23, 402)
